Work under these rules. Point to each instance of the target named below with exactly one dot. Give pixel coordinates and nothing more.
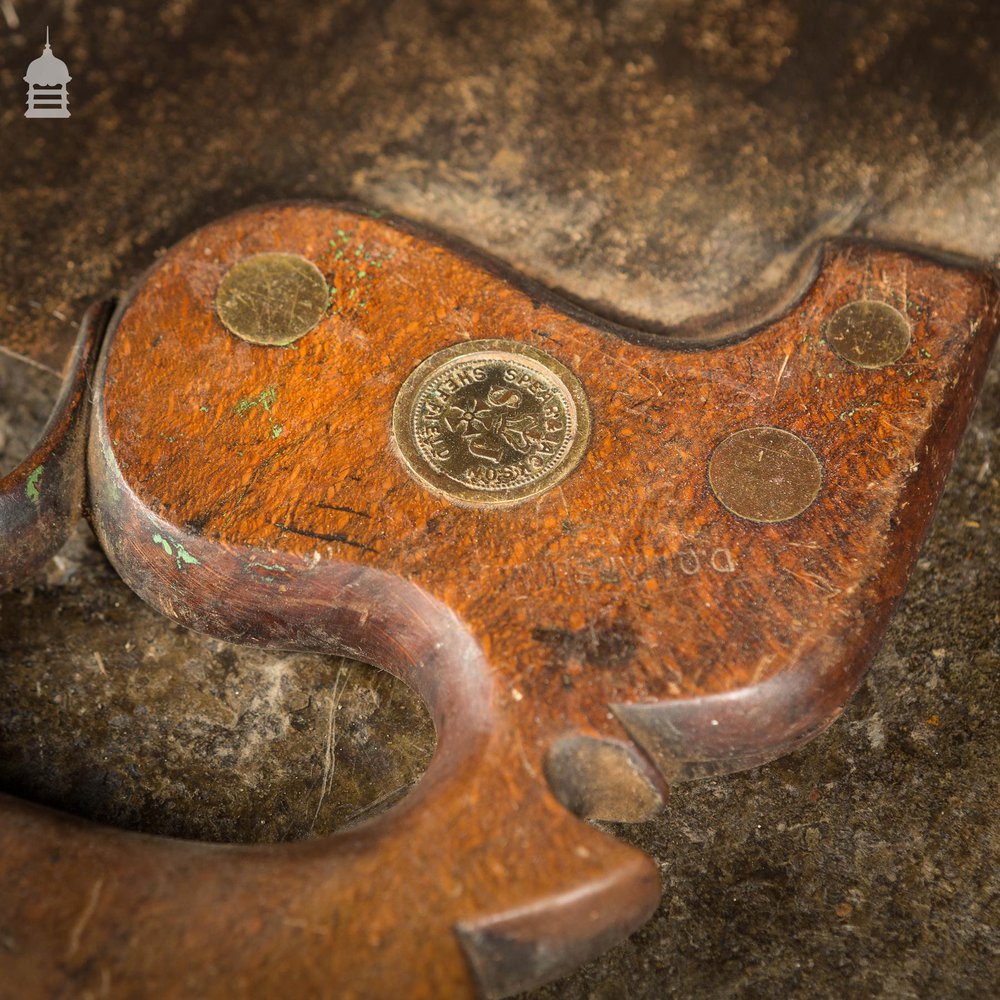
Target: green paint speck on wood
(173, 548)
(266, 399)
(183, 556)
(163, 543)
(31, 490)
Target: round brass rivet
(868, 334)
(764, 474)
(489, 423)
(272, 298)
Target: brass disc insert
(272, 298)
(490, 422)
(868, 334)
(764, 474)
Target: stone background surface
(663, 161)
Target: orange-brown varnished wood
(256, 493)
(627, 582)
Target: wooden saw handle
(696, 587)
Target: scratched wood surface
(585, 648)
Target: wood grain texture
(255, 493)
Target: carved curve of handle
(478, 882)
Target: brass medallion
(868, 334)
(765, 474)
(272, 298)
(491, 422)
